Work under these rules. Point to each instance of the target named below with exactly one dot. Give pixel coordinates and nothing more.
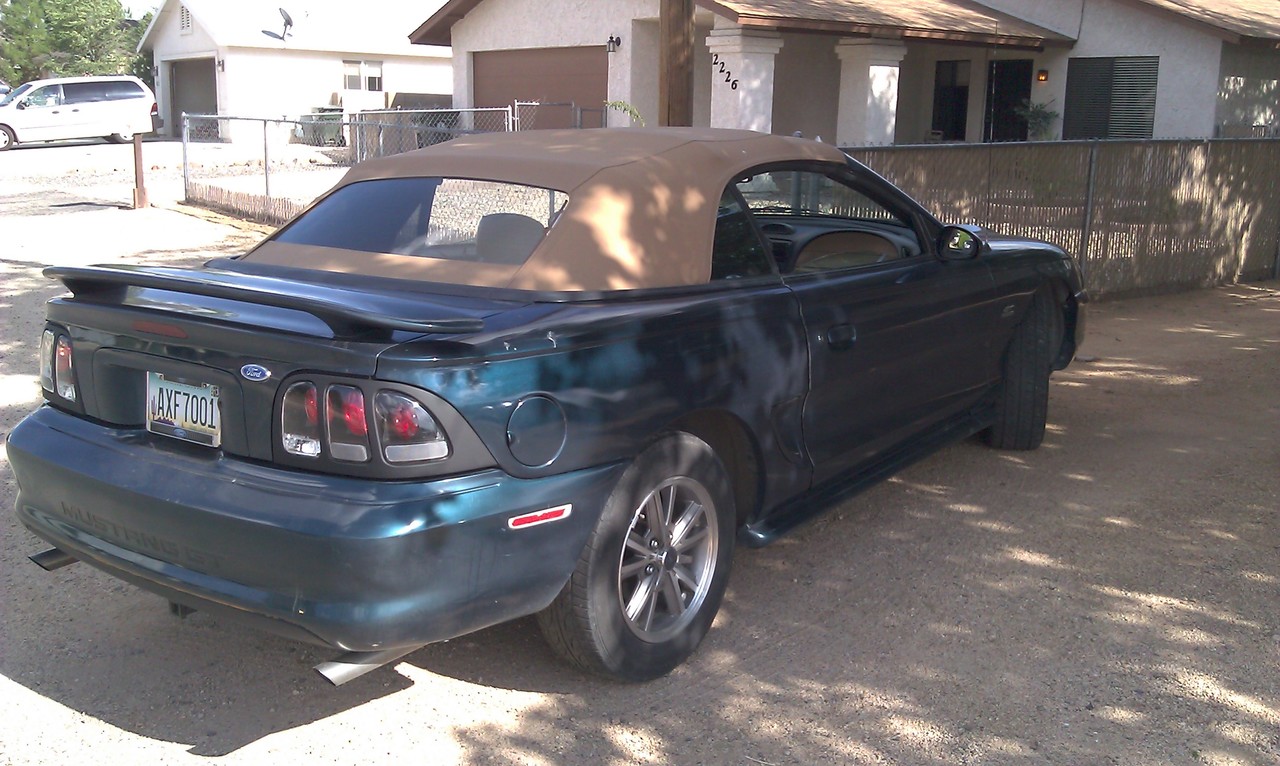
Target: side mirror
(22, 104)
(958, 243)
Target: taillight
(341, 422)
(300, 420)
(57, 370)
(406, 431)
(47, 341)
(348, 424)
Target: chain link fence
(269, 170)
(539, 115)
(1139, 216)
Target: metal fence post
(266, 163)
(1089, 190)
(186, 164)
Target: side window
(49, 95)
(122, 89)
(82, 92)
(737, 250)
(825, 221)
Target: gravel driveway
(1110, 598)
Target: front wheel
(650, 580)
(120, 138)
(1022, 400)
(7, 139)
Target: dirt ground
(1110, 598)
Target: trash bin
(323, 127)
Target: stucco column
(868, 108)
(748, 61)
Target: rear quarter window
(122, 89)
(446, 218)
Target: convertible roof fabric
(641, 211)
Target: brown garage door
(193, 88)
(562, 76)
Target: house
(249, 59)
(862, 72)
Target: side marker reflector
(527, 520)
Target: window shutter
(1133, 97)
(1088, 105)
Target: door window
(737, 251)
(83, 92)
(819, 221)
(49, 95)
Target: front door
(1008, 89)
(43, 116)
(896, 336)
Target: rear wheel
(1022, 403)
(7, 139)
(651, 578)
(120, 138)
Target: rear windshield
(447, 218)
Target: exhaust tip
(352, 665)
(52, 559)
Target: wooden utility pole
(675, 65)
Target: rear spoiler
(347, 319)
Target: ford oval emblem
(255, 372)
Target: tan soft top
(641, 212)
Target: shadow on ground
(1109, 598)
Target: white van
(114, 108)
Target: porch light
(1042, 75)
(613, 44)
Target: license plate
(183, 411)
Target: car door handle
(841, 337)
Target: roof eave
(904, 33)
(438, 29)
(143, 42)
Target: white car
(114, 108)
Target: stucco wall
(1189, 52)
(1249, 88)
(806, 85)
(266, 83)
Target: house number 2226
(728, 76)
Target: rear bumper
(350, 563)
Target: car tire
(120, 138)
(666, 534)
(7, 139)
(1022, 399)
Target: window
(809, 193)
(821, 221)
(83, 92)
(446, 218)
(49, 95)
(362, 75)
(1111, 97)
(737, 250)
(373, 75)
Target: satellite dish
(283, 33)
